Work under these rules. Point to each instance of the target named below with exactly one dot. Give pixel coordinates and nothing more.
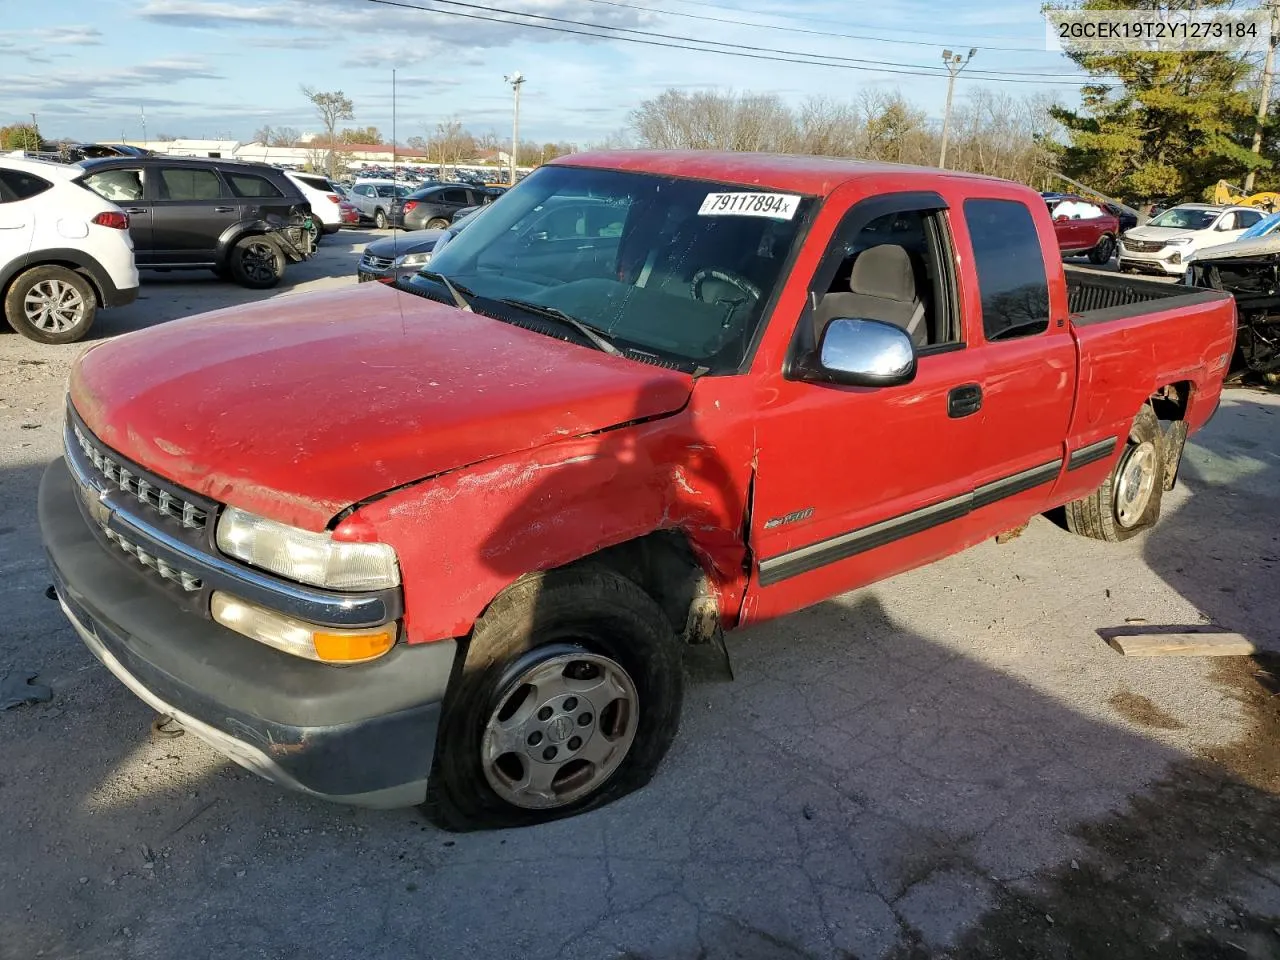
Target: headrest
(884, 271)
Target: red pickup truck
(442, 541)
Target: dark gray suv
(243, 221)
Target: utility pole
(955, 63)
(1264, 100)
(143, 111)
(35, 135)
(516, 79)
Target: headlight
(1177, 241)
(413, 259)
(314, 558)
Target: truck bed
(1098, 298)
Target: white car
(64, 251)
(1163, 244)
(326, 215)
(1260, 240)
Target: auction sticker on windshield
(780, 206)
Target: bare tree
(450, 143)
(263, 134)
(333, 108)
(284, 136)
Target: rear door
(191, 207)
(259, 198)
(18, 212)
(126, 187)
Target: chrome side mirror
(866, 353)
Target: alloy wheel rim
(53, 306)
(562, 723)
(259, 262)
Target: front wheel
(569, 699)
(380, 220)
(256, 262)
(1101, 253)
(1128, 501)
(51, 305)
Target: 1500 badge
(804, 514)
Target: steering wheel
(749, 289)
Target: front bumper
(362, 734)
(1168, 261)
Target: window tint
(19, 185)
(1010, 266)
(190, 184)
(1247, 218)
(116, 185)
(386, 190)
(316, 183)
(453, 196)
(251, 185)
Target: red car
(443, 540)
(1084, 228)
(349, 213)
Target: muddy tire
(51, 304)
(256, 262)
(1128, 501)
(1103, 251)
(568, 699)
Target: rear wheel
(1128, 501)
(316, 232)
(437, 223)
(1101, 253)
(51, 304)
(256, 262)
(380, 219)
(569, 699)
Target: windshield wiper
(455, 291)
(596, 336)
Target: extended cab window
(189, 185)
(1010, 265)
(893, 269)
(252, 185)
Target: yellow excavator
(1228, 194)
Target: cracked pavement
(886, 767)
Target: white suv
(326, 214)
(64, 251)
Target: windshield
(1185, 218)
(1263, 227)
(678, 269)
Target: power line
(786, 29)
(735, 50)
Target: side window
(364, 190)
(895, 269)
(189, 184)
(18, 185)
(1247, 218)
(118, 186)
(386, 191)
(1010, 267)
(453, 196)
(252, 185)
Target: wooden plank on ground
(1182, 645)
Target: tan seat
(882, 286)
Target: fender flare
(83, 262)
(236, 232)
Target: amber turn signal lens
(353, 646)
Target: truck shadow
(878, 782)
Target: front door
(126, 187)
(857, 483)
(190, 210)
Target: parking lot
(950, 763)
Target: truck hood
(298, 407)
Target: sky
(91, 69)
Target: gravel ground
(950, 763)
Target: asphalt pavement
(950, 763)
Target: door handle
(223, 209)
(964, 400)
(135, 210)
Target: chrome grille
(371, 262)
(166, 570)
(163, 501)
(1143, 246)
